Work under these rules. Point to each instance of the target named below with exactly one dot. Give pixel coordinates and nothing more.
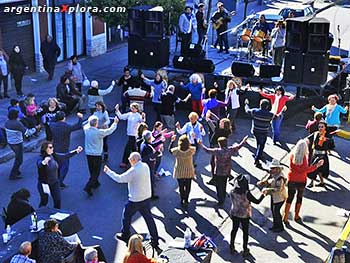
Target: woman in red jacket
(278, 107)
(297, 176)
(135, 252)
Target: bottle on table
(8, 231)
(187, 237)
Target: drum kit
(255, 40)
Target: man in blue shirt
(261, 123)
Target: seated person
(135, 253)
(18, 207)
(52, 245)
(25, 249)
(67, 93)
(14, 105)
(91, 256)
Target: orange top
(140, 258)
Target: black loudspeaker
(146, 21)
(293, 67)
(154, 22)
(195, 51)
(240, 69)
(297, 33)
(182, 62)
(269, 71)
(315, 69)
(202, 65)
(318, 35)
(196, 64)
(148, 53)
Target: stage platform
(223, 63)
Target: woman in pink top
(278, 107)
(160, 135)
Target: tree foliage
(171, 7)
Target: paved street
(101, 214)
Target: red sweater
(281, 103)
(140, 258)
(298, 173)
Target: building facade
(76, 33)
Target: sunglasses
(50, 147)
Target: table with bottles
(24, 230)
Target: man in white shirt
(139, 187)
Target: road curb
(7, 154)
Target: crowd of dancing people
(146, 144)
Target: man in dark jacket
(221, 16)
(61, 132)
(50, 51)
(69, 95)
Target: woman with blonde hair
(232, 93)
(135, 253)
(297, 176)
(133, 118)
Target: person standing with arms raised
(94, 149)
(139, 186)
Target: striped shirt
(21, 259)
(261, 120)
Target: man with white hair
(91, 256)
(25, 249)
(94, 149)
(139, 187)
(96, 94)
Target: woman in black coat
(17, 67)
(19, 207)
(48, 173)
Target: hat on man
(275, 164)
(201, 5)
(219, 4)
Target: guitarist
(187, 24)
(221, 16)
(201, 24)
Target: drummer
(263, 26)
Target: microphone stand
(339, 40)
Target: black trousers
(244, 222)
(94, 163)
(276, 214)
(129, 148)
(18, 83)
(184, 188)
(55, 193)
(157, 107)
(223, 41)
(49, 67)
(221, 182)
(4, 81)
(185, 43)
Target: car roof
(296, 7)
(274, 17)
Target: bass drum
(246, 34)
(259, 36)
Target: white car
(297, 10)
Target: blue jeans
(145, 210)
(18, 150)
(260, 144)
(276, 127)
(55, 193)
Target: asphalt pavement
(101, 214)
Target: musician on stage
(221, 15)
(278, 39)
(187, 24)
(201, 23)
(263, 26)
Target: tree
(172, 8)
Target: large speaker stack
(147, 46)
(307, 51)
